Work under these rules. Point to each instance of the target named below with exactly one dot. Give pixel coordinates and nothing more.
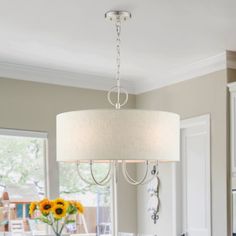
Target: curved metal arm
(129, 179)
(105, 180)
(144, 179)
(102, 182)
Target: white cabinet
(232, 89)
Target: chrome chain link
(118, 87)
(118, 43)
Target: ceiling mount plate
(118, 15)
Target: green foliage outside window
(22, 162)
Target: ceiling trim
(59, 77)
(231, 60)
(231, 65)
(200, 68)
(88, 81)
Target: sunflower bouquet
(56, 213)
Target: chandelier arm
(81, 176)
(105, 180)
(129, 179)
(154, 174)
(128, 176)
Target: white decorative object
(154, 200)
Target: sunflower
(45, 206)
(80, 207)
(59, 211)
(32, 208)
(61, 201)
(73, 203)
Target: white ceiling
(69, 42)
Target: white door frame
(186, 123)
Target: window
(96, 199)
(23, 171)
(22, 175)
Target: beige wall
(34, 106)
(203, 95)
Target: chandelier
(118, 135)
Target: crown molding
(88, 81)
(200, 68)
(231, 59)
(231, 65)
(58, 77)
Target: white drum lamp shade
(104, 135)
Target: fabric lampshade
(132, 135)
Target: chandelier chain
(118, 43)
(118, 89)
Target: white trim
(232, 89)
(194, 121)
(174, 189)
(232, 128)
(200, 68)
(187, 123)
(59, 77)
(46, 169)
(232, 86)
(23, 133)
(93, 81)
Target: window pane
(22, 164)
(96, 199)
